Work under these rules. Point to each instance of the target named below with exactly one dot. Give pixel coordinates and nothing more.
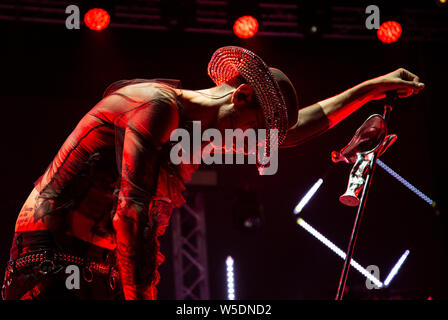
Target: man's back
(75, 196)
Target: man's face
(237, 122)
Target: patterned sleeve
(145, 130)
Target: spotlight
(97, 19)
(442, 3)
(389, 32)
(245, 27)
(245, 16)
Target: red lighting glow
(97, 19)
(389, 32)
(245, 27)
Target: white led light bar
(338, 251)
(307, 197)
(230, 279)
(406, 183)
(396, 268)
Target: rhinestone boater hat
(228, 62)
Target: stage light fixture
(244, 17)
(245, 27)
(408, 185)
(301, 222)
(230, 279)
(97, 19)
(338, 251)
(389, 32)
(353, 263)
(393, 272)
(307, 197)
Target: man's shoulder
(149, 91)
(157, 115)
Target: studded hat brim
(228, 62)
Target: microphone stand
(390, 97)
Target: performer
(107, 196)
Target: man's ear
(242, 96)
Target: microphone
(371, 138)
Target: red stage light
(389, 32)
(97, 19)
(245, 27)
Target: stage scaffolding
(190, 250)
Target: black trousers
(38, 282)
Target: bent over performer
(107, 196)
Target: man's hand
(401, 80)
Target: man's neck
(205, 105)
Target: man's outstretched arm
(322, 116)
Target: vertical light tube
(230, 279)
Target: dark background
(51, 76)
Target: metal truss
(284, 18)
(190, 250)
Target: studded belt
(50, 258)
(45, 260)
